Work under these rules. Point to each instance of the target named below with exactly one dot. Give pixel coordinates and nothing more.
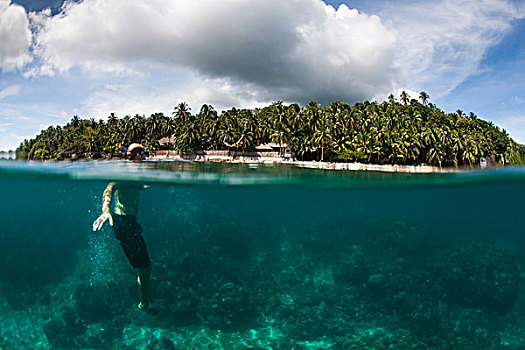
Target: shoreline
(412, 169)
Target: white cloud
(294, 50)
(207, 95)
(516, 100)
(131, 95)
(267, 49)
(441, 43)
(2, 126)
(15, 36)
(126, 97)
(9, 91)
(142, 57)
(10, 141)
(19, 121)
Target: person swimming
(135, 152)
(128, 231)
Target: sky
(92, 58)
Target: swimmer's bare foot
(148, 308)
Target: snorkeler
(124, 222)
(135, 152)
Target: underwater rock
(99, 336)
(134, 337)
(480, 276)
(62, 331)
(162, 343)
(21, 330)
(376, 279)
(174, 296)
(306, 295)
(308, 322)
(97, 303)
(513, 338)
(227, 307)
(428, 320)
(379, 338)
(27, 275)
(354, 266)
(180, 305)
(392, 238)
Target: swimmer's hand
(97, 225)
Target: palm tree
(423, 96)
(404, 97)
(391, 99)
(367, 131)
(153, 127)
(322, 132)
(75, 121)
(209, 122)
(181, 112)
(279, 121)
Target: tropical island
(408, 132)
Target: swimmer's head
(137, 152)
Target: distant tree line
(406, 132)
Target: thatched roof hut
(166, 142)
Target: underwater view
(250, 256)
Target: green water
(264, 257)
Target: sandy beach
(219, 156)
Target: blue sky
(94, 57)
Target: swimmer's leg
(143, 283)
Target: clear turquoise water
(248, 256)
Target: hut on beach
(263, 150)
(166, 142)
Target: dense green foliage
(385, 133)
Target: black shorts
(128, 232)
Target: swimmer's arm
(107, 197)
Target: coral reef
(385, 289)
